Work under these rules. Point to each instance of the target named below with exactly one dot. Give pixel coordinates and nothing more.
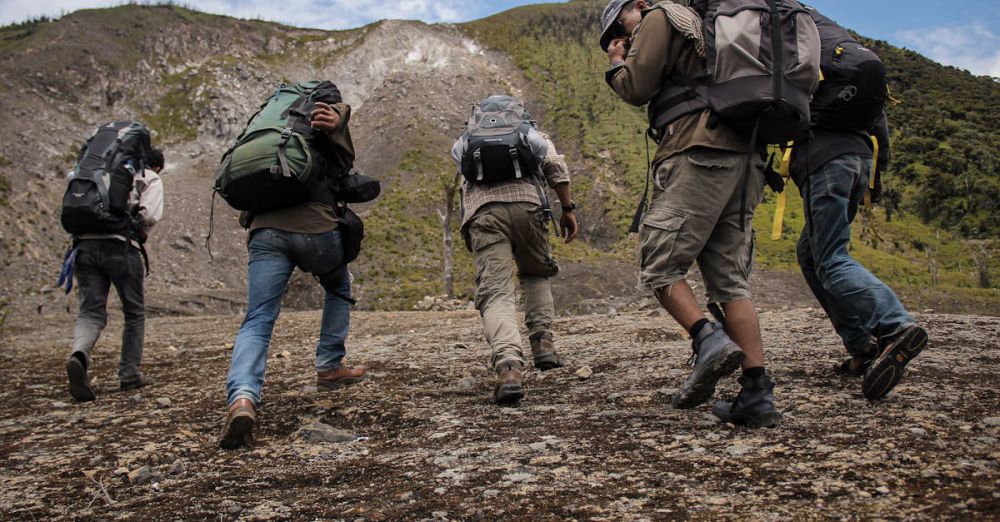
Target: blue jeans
(858, 303)
(274, 254)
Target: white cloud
(974, 47)
(324, 14)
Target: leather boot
(715, 356)
(890, 366)
(509, 390)
(79, 382)
(753, 407)
(543, 352)
(238, 429)
(340, 376)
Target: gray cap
(608, 20)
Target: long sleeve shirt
(656, 51)
(313, 217)
(476, 195)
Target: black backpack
(497, 147)
(853, 92)
(96, 200)
(761, 66)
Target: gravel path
(428, 444)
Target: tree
(450, 186)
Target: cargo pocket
(658, 242)
(539, 260)
(484, 231)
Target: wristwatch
(571, 207)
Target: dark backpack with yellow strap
(853, 91)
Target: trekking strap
(543, 198)
(211, 226)
(641, 209)
(282, 145)
(746, 175)
(869, 210)
(717, 313)
(779, 210)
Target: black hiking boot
(137, 384)
(79, 382)
(753, 407)
(715, 356)
(889, 367)
(543, 352)
(509, 390)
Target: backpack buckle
(286, 134)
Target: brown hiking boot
(341, 376)
(543, 352)
(509, 390)
(238, 429)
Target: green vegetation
(403, 235)
(944, 166)
(176, 114)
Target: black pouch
(357, 188)
(352, 232)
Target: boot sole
(701, 387)
(767, 420)
(547, 362)
(509, 395)
(238, 433)
(78, 386)
(889, 368)
(327, 385)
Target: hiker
(707, 180)
(836, 173)
(310, 234)
(109, 250)
(505, 160)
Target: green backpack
(279, 161)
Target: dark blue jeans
(858, 303)
(274, 254)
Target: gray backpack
(497, 147)
(762, 62)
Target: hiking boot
(715, 356)
(753, 407)
(141, 382)
(509, 391)
(860, 361)
(79, 382)
(340, 377)
(889, 367)
(543, 352)
(238, 429)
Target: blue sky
(963, 33)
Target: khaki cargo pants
(500, 236)
(694, 215)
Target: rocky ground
(421, 440)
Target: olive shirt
(313, 217)
(656, 50)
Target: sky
(963, 33)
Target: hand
(617, 50)
(568, 226)
(324, 118)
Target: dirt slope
(433, 447)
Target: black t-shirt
(827, 144)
